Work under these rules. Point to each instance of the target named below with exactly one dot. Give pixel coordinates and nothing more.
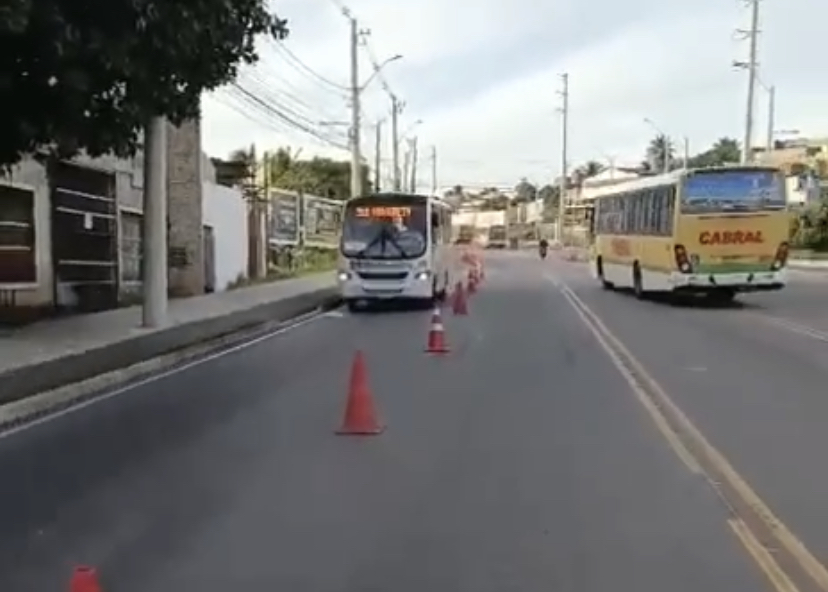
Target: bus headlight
(422, 276)
(343, 276)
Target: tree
(660, 153)
(239, 169)
(589, 169)
(724, 151)
(323, 177)
(525, 191)
(89, 76)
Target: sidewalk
(53, 353)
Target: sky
(481, 82)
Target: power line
(288, 102)
(301, 66)
(277, 112)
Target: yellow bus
(715, 232)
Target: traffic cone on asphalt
(459, 304)
(360, 416)
(437, 335)
(84, 579)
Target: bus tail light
(682, 260)
(781, 257)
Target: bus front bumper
(415, 285)
(741, 282)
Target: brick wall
(184, 206)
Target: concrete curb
(814, 265)
(41, 377)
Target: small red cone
(84, 579)
(437, 335)
(360, 416)
(460, 305)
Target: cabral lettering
(728, 237)
(621, 247)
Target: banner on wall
(284, 218)
(323, 222)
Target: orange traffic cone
(360, 416)
(84, 579)
(460, 305)
(437, 335)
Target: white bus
(395, 246)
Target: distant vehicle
(714, 232)
(466, 235)
(395, 246)
(497, 237)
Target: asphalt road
(752, 377)
(522, 461)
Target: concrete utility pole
(771, 117)
(377, 156)
(414, 161)
(155, 305)
(752, 65)
(564, 93)
(356, 156)
(396, 109)
(434, 170)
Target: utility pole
(356, 156)
(752, 35)
(155, 305)
(414, 159)
(434, 170)
(396, 109)
(406, 164)
(771, 117)
(377, 156)
(564, 93)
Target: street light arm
(378, 70)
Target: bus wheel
(638, 285)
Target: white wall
(225, 211)
(29, 174)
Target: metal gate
(84, 238)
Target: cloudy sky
(484, 75)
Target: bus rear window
(733, 190)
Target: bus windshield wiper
(382, 237)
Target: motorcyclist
(543, 247)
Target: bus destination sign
(383, 212)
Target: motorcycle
(543, 251)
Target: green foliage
(525, 191)
(809, 227)
(589, 169)
(323, 177)
(660, 153)
(89, 75)
(724, 151)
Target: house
(70, 231)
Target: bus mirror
(435, 220)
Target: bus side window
(652, 211)
(669, 211)
(658, 205)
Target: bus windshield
(733, 191)
(391, 228)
